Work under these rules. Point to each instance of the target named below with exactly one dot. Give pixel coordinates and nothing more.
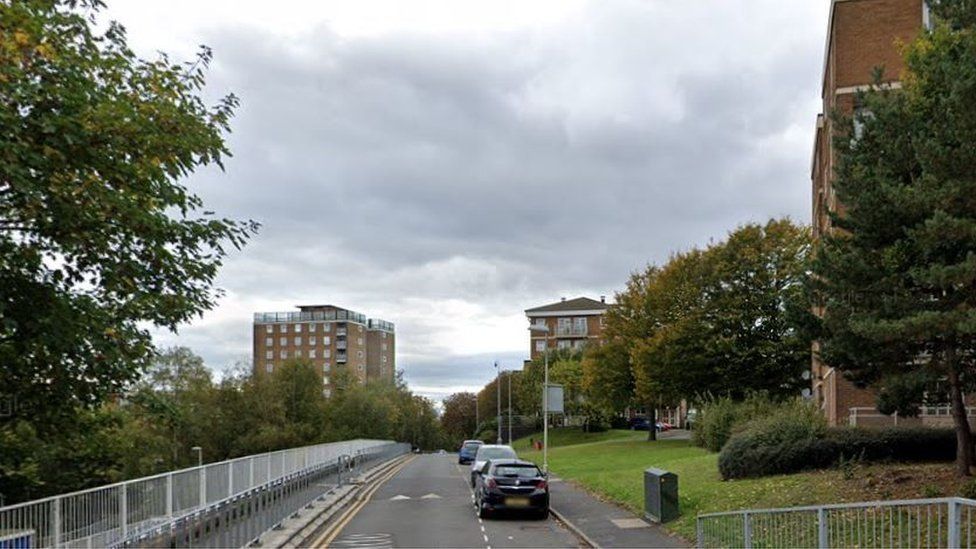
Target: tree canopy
(897, 276)
(99, 236)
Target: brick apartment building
(572, 323)
(330, 337)
(862, 35)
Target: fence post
(823, 537)
(230, 478)
(250, 473)
(699, 537)
(124, 510)
(56, 522)
(953, 526)
(746, 531)
(169, 495)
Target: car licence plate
(517, 502)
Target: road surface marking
(399, 497)
(430, 496)
(325, 540)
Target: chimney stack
(562, 299)
(603, 299)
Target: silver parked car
(488, 452)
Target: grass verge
(612, 467)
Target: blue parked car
(469, 448)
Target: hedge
(750, 454)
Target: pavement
(429, 504)
(605, 524)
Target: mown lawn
(572, 436)
(612, 466)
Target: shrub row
(720, 417)
(753, 452)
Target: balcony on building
(341, 358)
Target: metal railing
(245, 519)
(571, 330)
(940, 522)
(308, 316)
(867, 416)
(108, 515)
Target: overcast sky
(447, 164)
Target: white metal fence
(108, 515)
(940, 522)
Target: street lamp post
(542, 328)
(199, 452)
(498, 401)
(476, 418)
(509, 376)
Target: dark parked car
(511, 485)
(641, 424)
(469, 448)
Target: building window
(311, 353)
(282, 328)
(563, 344)
(298, 353)
(298, 340)
(311, 340)
(540, 346)
(312, 327)
(268, 341)
(326, 327)
(362, 367)
(282, 341)
(284, 354)
(383, 346)
(539, 322)
(269, 328)
(384, 359)
(579, 325)
(359, 354)
(327, 366)
(269, 367)
(359, 341)
(269, 355)
(325, 380)
(326, 340)
(360, 328)
(327, 392)
(298, 328)
(563, 325)
(326, 353)
(383, 335)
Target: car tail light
(491, 483)
(542, 485)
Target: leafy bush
(619, 422)
(597, 419)
(720, 417)
(968, 490)
(755, 452)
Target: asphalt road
(429, 504)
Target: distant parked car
(511, 485)
(639, 424)
(490, 452)
(468, 450)
(664, 426)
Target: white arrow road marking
(430, 496)
(399, 497)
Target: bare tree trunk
(964, 436)
(652, 422)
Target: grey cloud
(502, 170)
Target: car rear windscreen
(520, 471)
(495, 453)
(471, 447)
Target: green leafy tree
(608, 379)
(99, 239)
(896, 279)
(459, 416)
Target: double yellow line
(330, 533)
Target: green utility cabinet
(660, 495)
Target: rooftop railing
(309, 316)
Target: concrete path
(604, 524)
